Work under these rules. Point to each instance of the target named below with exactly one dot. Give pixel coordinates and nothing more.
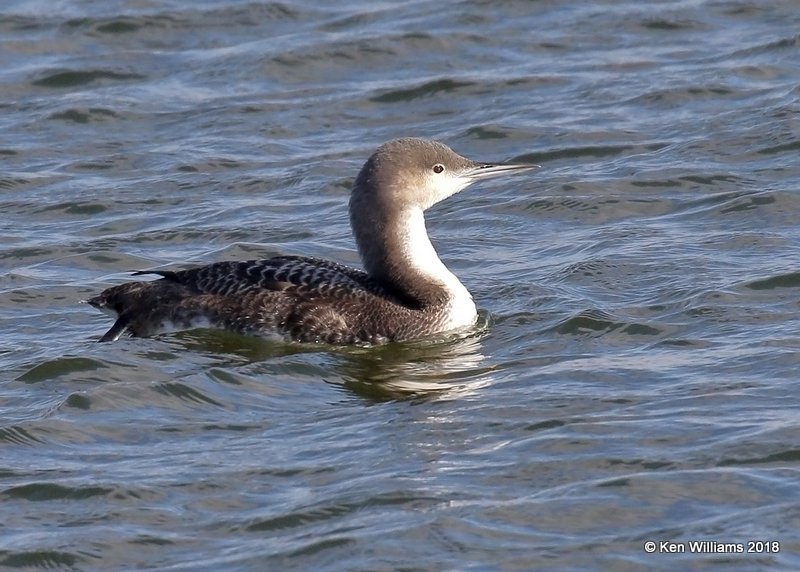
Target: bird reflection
(425, 369)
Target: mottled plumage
(408, 292)
(304, 299)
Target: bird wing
(298, 274)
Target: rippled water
(636, 377)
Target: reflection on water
(444, 366)
(433, 368)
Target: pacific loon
(404, 292)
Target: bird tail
(114, 333)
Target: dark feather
(306, 299)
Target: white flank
(169, 327)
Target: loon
(405, 292)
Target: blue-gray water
(638, 376)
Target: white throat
(421, 256)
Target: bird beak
(484, 170)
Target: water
(636, 376)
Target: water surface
(636, 375)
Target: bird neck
(396, 250)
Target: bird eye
(438, 168)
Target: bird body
(404, 292)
